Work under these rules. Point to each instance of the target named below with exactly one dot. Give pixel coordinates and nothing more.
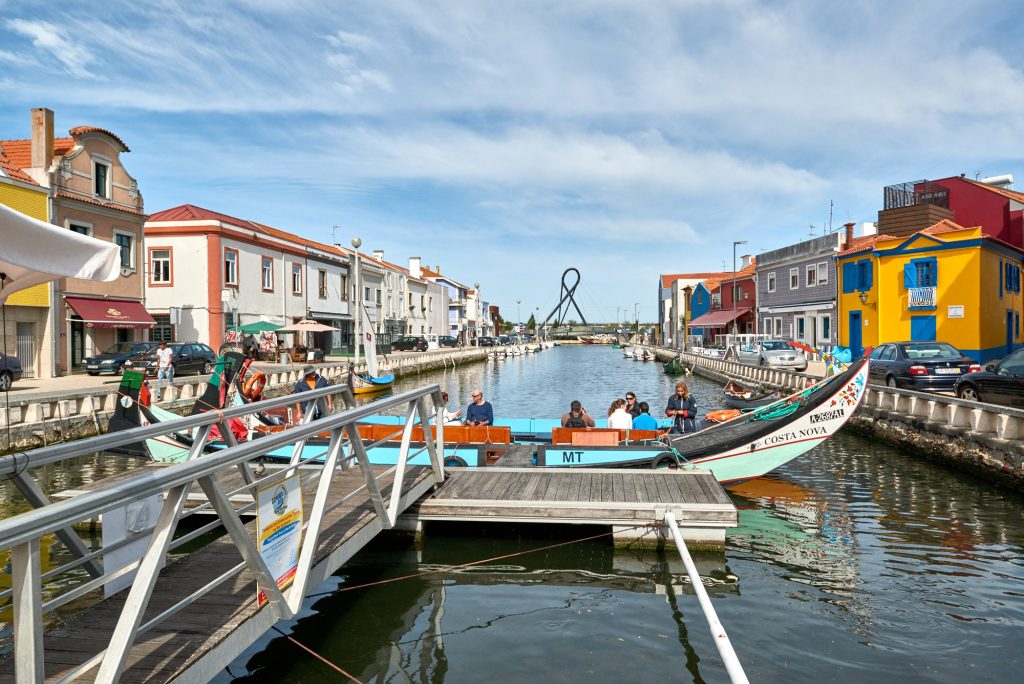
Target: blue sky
(509, 141)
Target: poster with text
(279, 521)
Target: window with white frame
(825, 332)
(823, 273)
(80, 228)
(101, 178)
(794, 278)
(366, 294)
(268, 273)
(160, 266)
(296, 279)
(778, 327)
(344, 287)
(126, 242)
(812, 275)
(378, 297)
(771, 281)
(163, 331)
(231, 267)
(768, 327)
(321, 283)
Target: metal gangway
(345, 460)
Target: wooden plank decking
(200, 640)
(617, 497)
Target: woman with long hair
(682, 409)
(617, 416)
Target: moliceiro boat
(373, 380)
(748, 446)
(738, 396)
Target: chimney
(437, 269)
(378, 254)
(42, 138)
(849, 233)
(414, 267)
(745, 260)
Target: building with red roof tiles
(673, 304)
(90, 192)
(731, 309)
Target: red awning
(110, 313)
(717, 319)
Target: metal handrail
(37, 522)
(18, 462)
(725, 649)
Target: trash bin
(310, 356)
(284, 358)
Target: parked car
(772, 354)
(487, 342)
(114, 358)
(187, 357)
(10, 370)
(410, 343)
(919, 365)
(447, 341)
(504, 339)
(1001, 382)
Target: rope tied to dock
(316, 655)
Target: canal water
(853, 563)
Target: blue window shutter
(1000, 278)
(1016, 278)
(849, 277)
(909, 275)
(865, 282)
(933, 272)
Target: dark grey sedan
(10, 370)
(919, 366)
(1001, 382)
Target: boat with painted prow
(743, 448)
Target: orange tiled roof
(860, 244)
(14, 172)
(106, 205)
(20, 151)
(668, 278)
(944, 226)
(428, 273)
(82, 130)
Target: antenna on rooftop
(811, 228)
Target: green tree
(532, 323)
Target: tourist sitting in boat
(644, 421)
(632, 407)
(577, 417)
(479, 411)
(312, 380)
(617, 416)
(449, 417)
(682, 409)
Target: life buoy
(254, 384)
(722, 416)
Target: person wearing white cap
(312, 380)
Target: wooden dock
(196, 643)
(630, 501)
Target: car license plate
(947, 371)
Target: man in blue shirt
(644, 421)
(312, 380)
(479, 411)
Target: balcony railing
(921, 298)
(915, 192)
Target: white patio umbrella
(306, 325)
(33, 252)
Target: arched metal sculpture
(567, 298)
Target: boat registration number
(947, 371)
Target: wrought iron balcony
(921, 297)
(913, 193)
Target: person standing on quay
(479, 411)
(682, 409)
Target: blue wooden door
(922, 328)
(855, 334)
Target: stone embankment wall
(68, 415)
(984, 439)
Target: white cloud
(46, 36)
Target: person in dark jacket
(632, 405)
(479, 411)
(312, 380)
(682, 409)
(577, 417)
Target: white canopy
(33, 252)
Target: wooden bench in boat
(599, 436)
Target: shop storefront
(96, 324)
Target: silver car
(773, 354)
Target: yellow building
(28, 331)
(946, 282)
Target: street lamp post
(357, 314)
(479, 315)
(687, 293)
(734, 244)
(519, 314)
(636, 315)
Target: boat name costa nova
(772, 440)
